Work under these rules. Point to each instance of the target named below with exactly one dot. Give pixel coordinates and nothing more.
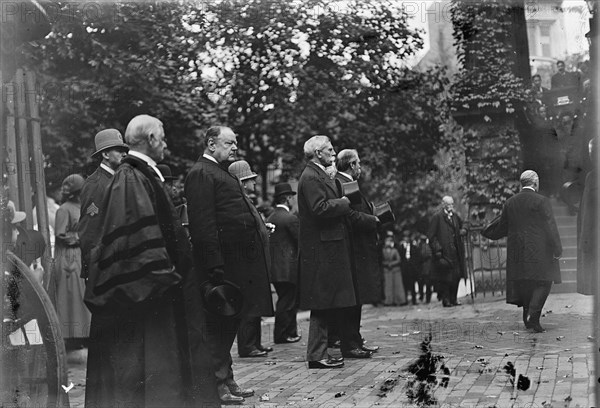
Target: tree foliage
(487, 97)
(277, 72)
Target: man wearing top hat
(362, 225)
(230, 243)
(110, 149)
(249, 332)
(284, 264)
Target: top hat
(350, 190)
(106, 139)
(241, 169)
(223, 299)
(384, 212)
(283, 188)
(166, 172)
(15, 216)
(30, 246)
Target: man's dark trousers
(221, 332)
(249, 335)
(285, 311)
(319, 328)
(534, 294)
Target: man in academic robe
(230, 243)
(139, 273)
(362, 226)
(284, 264)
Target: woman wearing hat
(70, 287)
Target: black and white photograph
(300, 204)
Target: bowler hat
(283, 188)
(241, 169)
(166, 172)
(106, 139)
(222, 299)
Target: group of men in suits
(335, 240)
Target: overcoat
(532, 238)
(228, 232)
(364, 249)
(587, 255)
(283, 244)
(325, 275)
(92, 195)
(444, 235)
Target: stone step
(569, 251)
(568, 263)
(568, 240)
(565, 219)
(565, 287)
(567, 230)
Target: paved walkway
(476, 341)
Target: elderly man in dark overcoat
(533, 248)
(230, 242)
(446, 241)
(362, 225)
(327, 288)
(284, 264)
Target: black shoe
(295, 339)
(447, 304)
(263, 348)
(238, 391)
(335, 359)
(370, 349)
(227, 398)
(325, 363)
(356, 353)
(537, 328)
(255, 353)
(457, 303)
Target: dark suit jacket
(228, 232)
(94, 189)
(283, 244)
(533, 238)
(325, 276)
(445, 240)
(365, 255)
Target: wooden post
(24, 165)
(37, 160)
(10, 166)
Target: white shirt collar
(209, 157)
(107, 168)
(347, 175)
(283, 206)
(320, 166)
(529, 188)
(149, 161)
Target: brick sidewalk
(475, 340)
